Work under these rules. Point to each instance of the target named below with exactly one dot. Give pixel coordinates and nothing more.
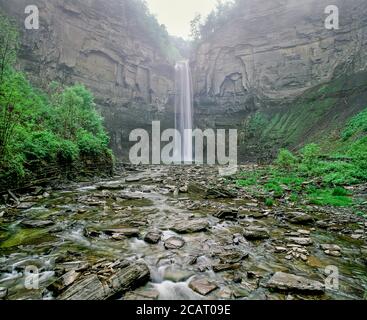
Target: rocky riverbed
(179, 232)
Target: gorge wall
(267, 58)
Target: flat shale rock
(202, 286)
(256, 233)
(219, 193)
(220, 267)
(64, 281)
(300, 241)
(174, 243)
(191, 226)
(123, 232)
(36, 224)
(153, 237)
(229, 214)
(300, 218)
(25, 205)
(93, 288)
(288, 282)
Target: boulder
(94, 288)
(153, 237)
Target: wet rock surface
(138, 236)
(289, 282)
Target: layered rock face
(270, 53)
(100, 44)
(278, 49)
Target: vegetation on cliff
(60, 125)
(314, 176)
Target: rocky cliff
(269, 53)
(103, 45)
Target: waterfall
(184, 112)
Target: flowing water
(183, 111)
(78, 216)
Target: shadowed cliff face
(100, 44)
(278, 49)
(270, 54)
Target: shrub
(286, 160)
(269, 202)
(68, 151)
(355, 125)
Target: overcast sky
(177, 14)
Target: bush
(286, 160)
(41, 145)
(68, 151)
(356, 125)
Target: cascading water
(183, 112)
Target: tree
(195, 24)
(8, 54)
(8, 44)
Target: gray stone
(93, 287)
(174, 243)
(37, 223)
(229, 214)
(288, 282)
(153, 237)
(3, 292)
(202, 286)
(300, 241)
(191, 226)
(300, 218)
(256, 233)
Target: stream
(196, 246)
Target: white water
(184, 112)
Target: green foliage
(269, 202)
(286, 160)
(68, 151)
(8, 43)
(340, 191)
(58, 126)
(356, 125)
(326, 197)
(310, 155)
(274, 187)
